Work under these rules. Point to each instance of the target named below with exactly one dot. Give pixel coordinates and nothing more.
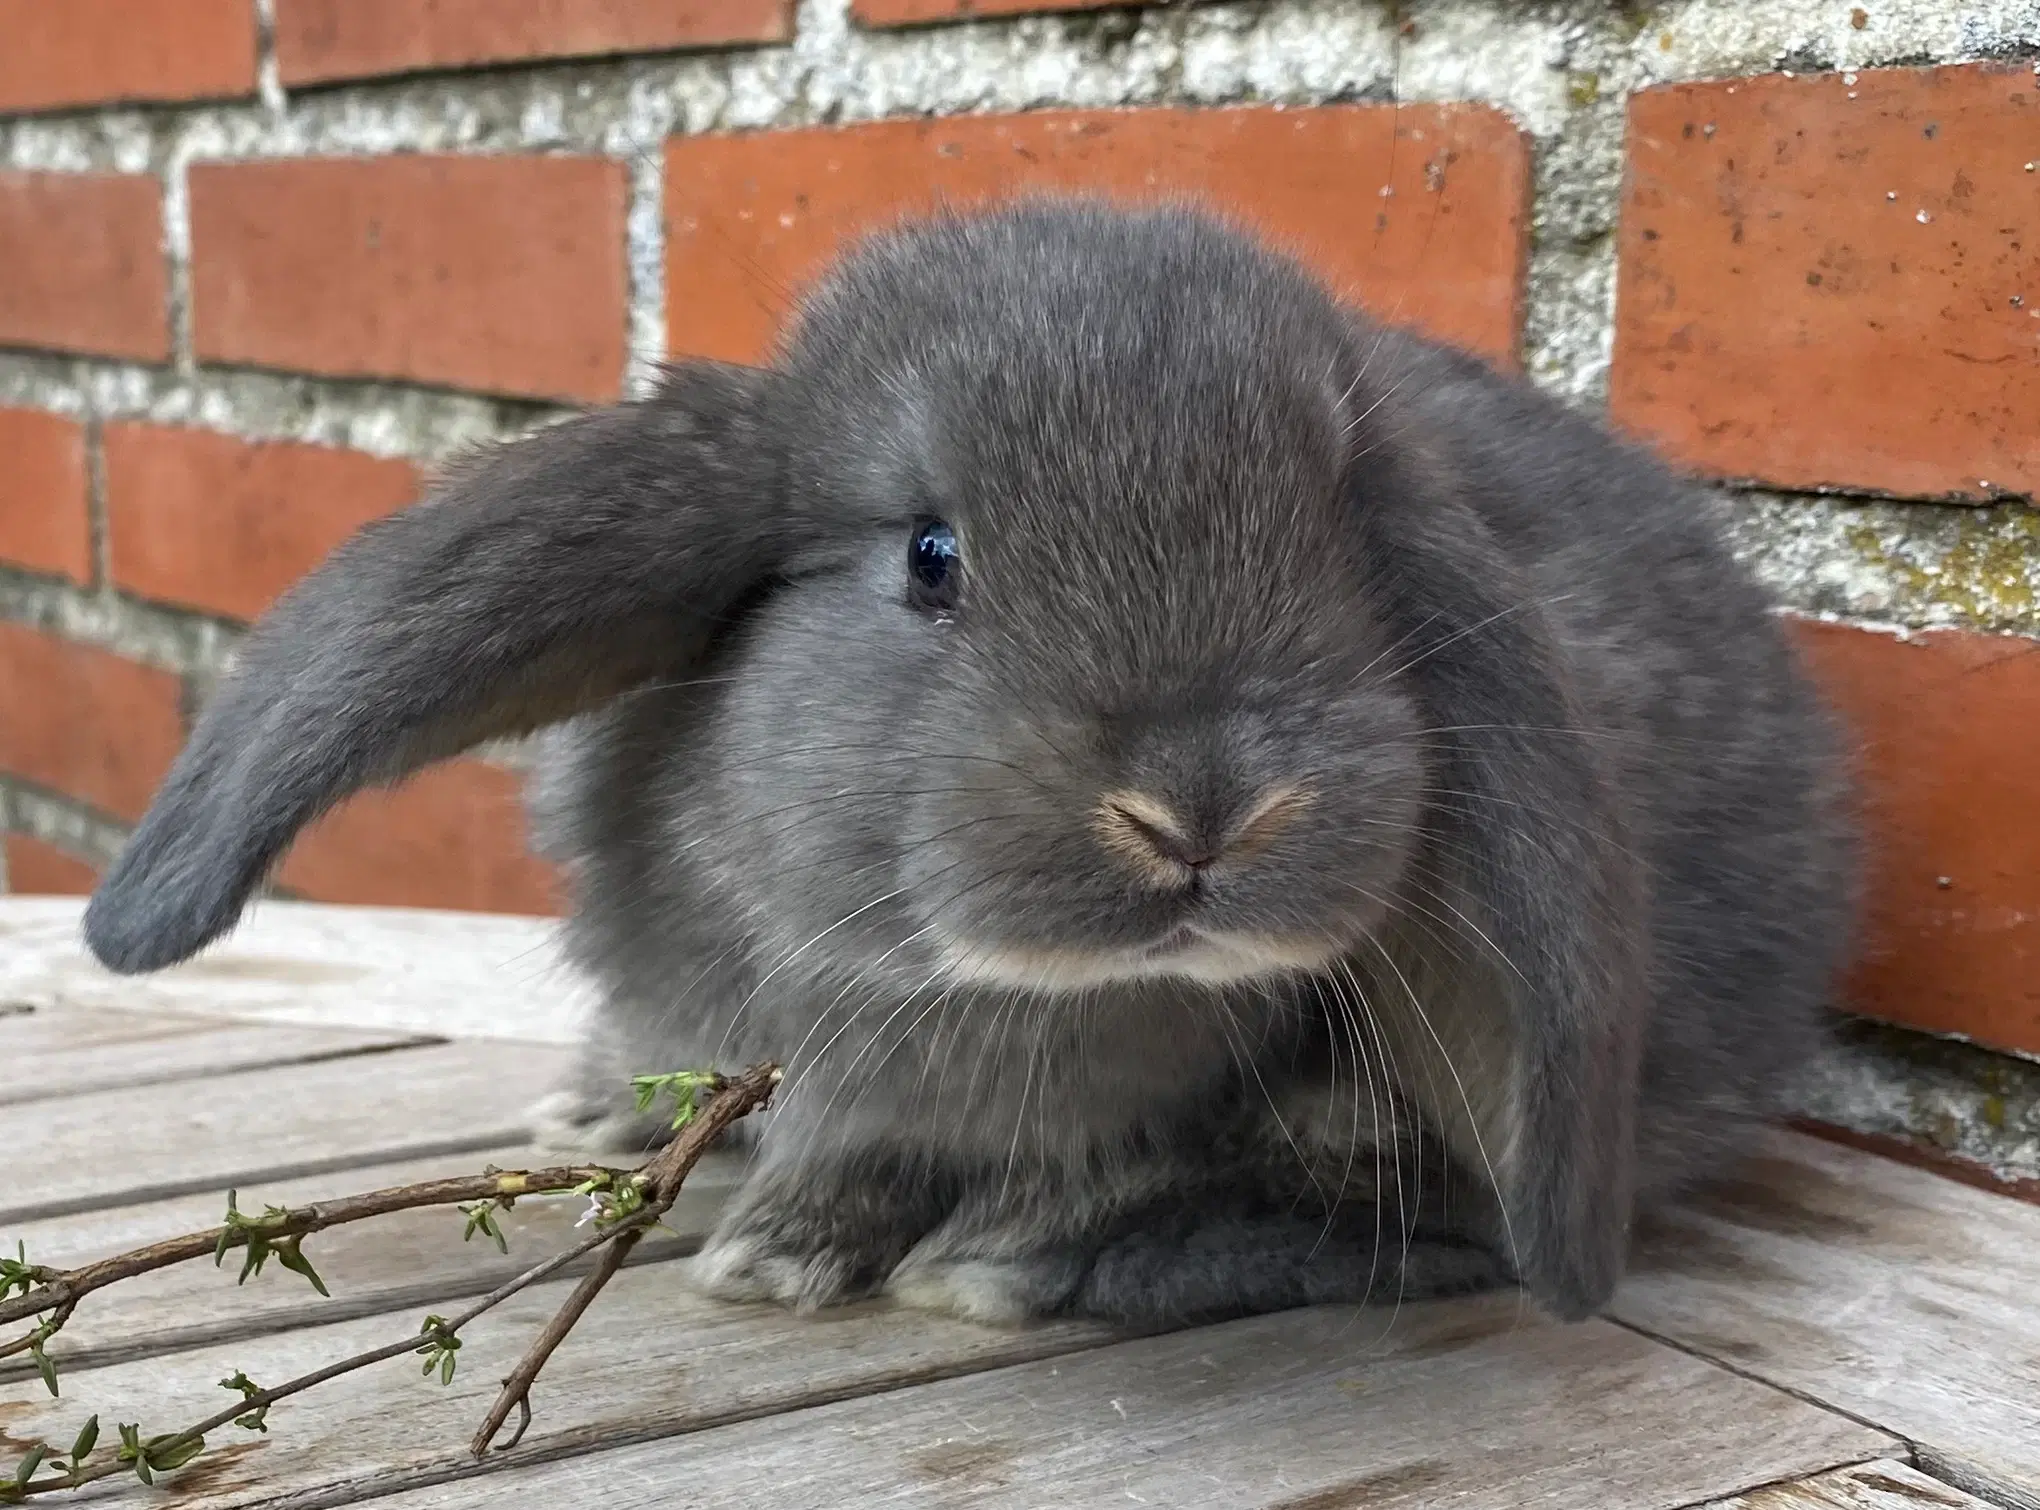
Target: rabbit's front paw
(761, 1266)
(1000, 1291)
(813, 1237)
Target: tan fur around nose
(1129, 824)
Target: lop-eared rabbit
(1218, 805)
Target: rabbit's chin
(1188, 954)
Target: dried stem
(661, 1178)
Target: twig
(516, 1390)
(62, 1291)
(651, 1189)
(661, 1179)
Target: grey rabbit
(1219, 805)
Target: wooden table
(1833, 1330)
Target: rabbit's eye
(932, 566)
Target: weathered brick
(751, 217)
(224, 525)
(44, 522)
(85, 52)
(38, 869)
(1835, 280)
(1952, 930)
(83, 254)
(919, 12)
(84, 723)
(452, 836)
(503, 273)
(321, 40)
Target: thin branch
(516, 1392)
(631, 1227)
(661, 1178)
(67, 1288)
(658, 1180)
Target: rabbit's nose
(1170, 848)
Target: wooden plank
(456, 974)
(408, 1259)
(117, 1147)
(1885, 1484)
(648, 1360)
(62, 1051)
(1470, 1404)
(1880, 1289)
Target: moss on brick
(1923, 566)
(1965, 1101)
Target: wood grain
(407, 1259)
(117, 1147)
(1468, 1404)
(454, 974)
(649, 1360)
(59, 1052)
(1885, 1484)
(1903, 1298)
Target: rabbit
(1218, 804)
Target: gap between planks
(1874, 1288)
(99, 1149)
(1882, 1484)
(63, 1052)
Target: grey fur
(1565, 785)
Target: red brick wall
(1825, 282)
(1833, 282)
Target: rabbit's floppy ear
(1537, 834)
(542, 577)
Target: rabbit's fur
(1531, 858)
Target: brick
(44, 522)
(224, 525)
(502, 273)
(38, 869)
(751, 217)
(1828, 283)
(452, 836)
(85, 723)
(91, 52)
(920, 12)
(322, 40)
(84, 260)
(1952, 809)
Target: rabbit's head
(1090, 614)
(1093, 676)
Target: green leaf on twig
(256, 1419)
(291, 1254)
(481, 1217)
(684, 1086)
(44, 1366)
(159, 1454)
(17, 1273)
(439, 1348)
(29, 1465)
